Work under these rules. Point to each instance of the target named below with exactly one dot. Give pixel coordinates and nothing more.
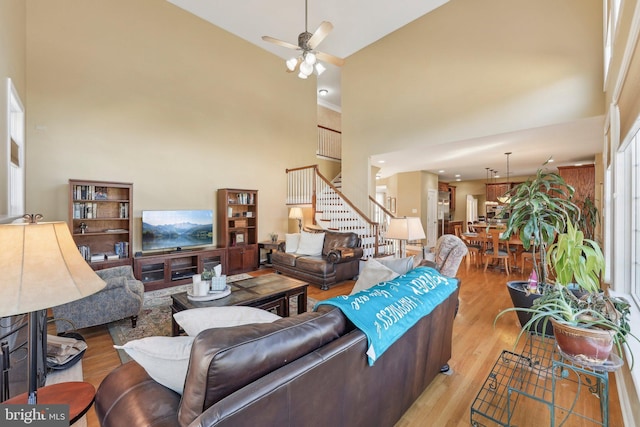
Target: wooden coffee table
(269, 292)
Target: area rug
(155, 320)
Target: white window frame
(15, 135)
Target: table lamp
(405, 229)
(40, 267)
(296, 213)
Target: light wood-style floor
(447, 401)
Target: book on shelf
(122, 249)
(124, 210)
(111, 256)
(97, 257)
(85, 210)
(85, 251)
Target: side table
(77, 394)
(269, 246)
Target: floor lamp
(296, 213)
(405, 229)
(41, 267)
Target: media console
(158, 271)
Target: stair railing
(332, 209)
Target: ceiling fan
(307, 62)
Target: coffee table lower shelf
(558, 388)
(271, 292)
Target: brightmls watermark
(34, 415)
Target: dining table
(483, 237)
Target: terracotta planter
(589, 345)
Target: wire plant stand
(560, 388)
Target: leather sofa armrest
(129, 397)
(339, 255)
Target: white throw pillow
(291, 242)
(373, 273)
(399, 265)
(197, 320)
(166, 359)
(311, 244)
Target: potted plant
(538, 210)
(587, 323)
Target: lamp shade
(407, 228)
(41, 267)
(295, 213)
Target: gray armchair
(122, 297)
(449, 252)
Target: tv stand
(159, 271)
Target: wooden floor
(447, 401)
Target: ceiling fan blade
(330, 58)
(279, 42)
(322, 32)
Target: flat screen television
(162, 230)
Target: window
(611, 16)
(15, 151)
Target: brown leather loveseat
(308, 370)
(340, 260)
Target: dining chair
(528, 256)
(497, 249)
(474, 248)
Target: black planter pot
(520, 299)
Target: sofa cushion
(291, 241)
(164, 358)
(371, 274)
(334, 240)
(197, 320)
(311, 244)
(399, 265)
(314, 264)
(225, 360)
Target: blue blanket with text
(387, 310)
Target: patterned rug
(155, 318)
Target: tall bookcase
(100, 220)
(237, 212)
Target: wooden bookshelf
(237, 212)
(100, 220)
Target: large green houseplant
(576, 305)
(538, 210)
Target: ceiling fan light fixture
(320, 68)
(310, 58)
(291, 63)
(306, 68)
(302, 75)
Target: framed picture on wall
(391, 204)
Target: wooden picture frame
(391, 204)
(240, 238)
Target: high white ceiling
(358, 23)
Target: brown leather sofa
(307, 370)
(340, 260)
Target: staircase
(333, 211)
